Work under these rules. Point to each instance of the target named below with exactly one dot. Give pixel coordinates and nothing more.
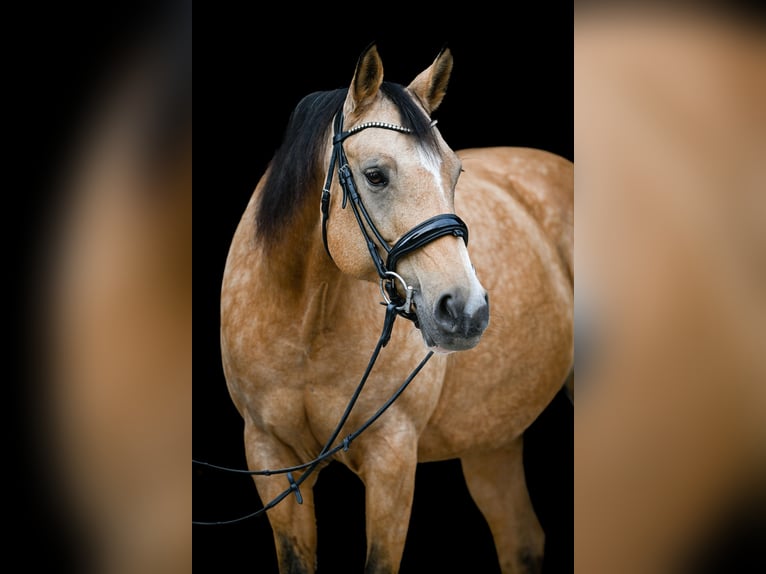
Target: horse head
(399, 179)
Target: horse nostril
(447, 312)
(452, 315)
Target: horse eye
(375, 177)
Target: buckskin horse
(364, 203)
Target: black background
(511, 85)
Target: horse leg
(388, 473)
(293, 524)
(497, 484)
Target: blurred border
(670, 136)
(104, 139)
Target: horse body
(491, 394)
(298, 329)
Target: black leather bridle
(415, 238)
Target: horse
(363, 201)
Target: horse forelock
(296, 171)
(412, 115)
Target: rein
(417, 237)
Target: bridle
(415, 238)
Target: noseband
(415, 238)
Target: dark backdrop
(511, 85)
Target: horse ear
(430, 85)
(366, 81)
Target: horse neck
(296, 268)
(299, 262)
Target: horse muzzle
(454, 321)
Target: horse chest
(293, 386)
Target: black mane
(295, 171)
